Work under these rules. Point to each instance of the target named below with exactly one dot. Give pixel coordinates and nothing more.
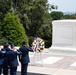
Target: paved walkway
(51, 64)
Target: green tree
(4, 7)
(33, 15)
(13, 30)
(70, 16)
(56, 15)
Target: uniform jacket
(1, 58)
(5, 58)
(12, 58)
(25, 54)
(6, 49)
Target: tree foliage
(4, 7)
(56, 15)
(13, 30)
(69, 16)
(33, 15)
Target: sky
(64, 5)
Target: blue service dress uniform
(1, 60)
(5, 63)
(24, 59)
(13, 62)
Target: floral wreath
(38, 45)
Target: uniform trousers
(24, 69)
(0, 69)
(5, 69)
(13, 70)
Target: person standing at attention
(1, 60)
(24, 59)
(5, 63)
(12, 58)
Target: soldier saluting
(1, 60)
(12, 58)
(24, 59)
(5, 62)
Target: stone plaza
(51, 63)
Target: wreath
(38, 45)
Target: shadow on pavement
(18, 73)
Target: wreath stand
(38, 46)
(40, 58)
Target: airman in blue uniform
(1, 60)
(12, 58)
(5, 63)
(24, 59)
